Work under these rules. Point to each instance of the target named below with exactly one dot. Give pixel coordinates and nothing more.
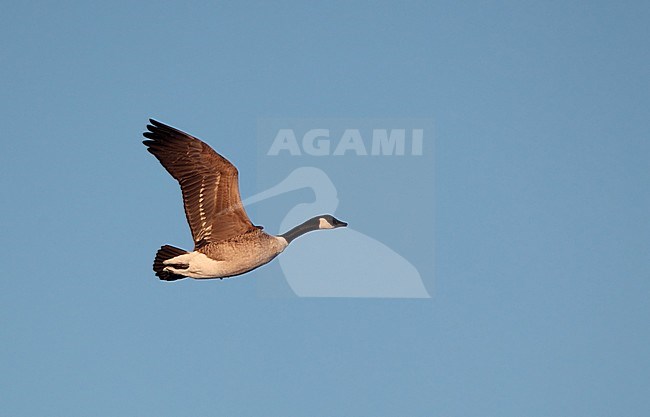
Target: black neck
(308, 226)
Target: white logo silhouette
(347, 263)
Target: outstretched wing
(209, 183)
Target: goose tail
(164, 253)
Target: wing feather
(209, 183)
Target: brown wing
(209, 183)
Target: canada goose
(226, 243)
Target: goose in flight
(226, 243)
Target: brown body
(244, 253)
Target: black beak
(338, 223)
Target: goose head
(327, 221)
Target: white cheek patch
(324, 224)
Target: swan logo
(312, 166)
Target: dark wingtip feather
(161, 131)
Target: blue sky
(541, 229)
